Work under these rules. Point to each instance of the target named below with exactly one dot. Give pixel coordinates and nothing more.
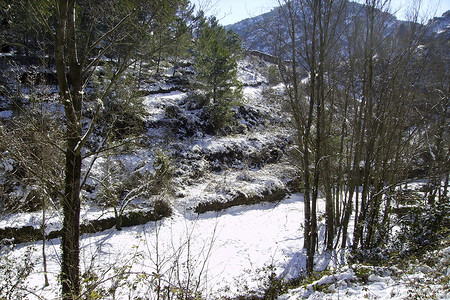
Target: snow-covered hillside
(212, 245)
(212, 172)
(440, 25)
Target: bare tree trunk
(44, 256)
(65, 51)
(367, 119)
(312, 39)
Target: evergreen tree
(215, 60)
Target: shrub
(164, 170)
(273, 284)
(13, 273)
(220, 114)
(273, 75)
(161, 209)
(422, 227)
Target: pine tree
(215, 61)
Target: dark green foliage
(423, 226)
(215, 58)
(163, 171)
(123, 110)
(273, 284)
(161, 208)
(175, 38)
(273, 75)
(362, 273)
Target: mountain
(254, 31)
(440, 25)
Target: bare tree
(385, 70)
(313, 34)
(78, 37)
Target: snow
(248, 75)
(6, 114)
(236, 245)
(227, 252)
(155, 104)
(343, 286)
(243, 239)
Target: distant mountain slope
(255, 32)
(252, 31)
(440, 25)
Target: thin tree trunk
(65, 47)
(44, 256)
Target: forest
(148, 152)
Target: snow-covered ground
(233, 244)
(228, 253)
(217, 254)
